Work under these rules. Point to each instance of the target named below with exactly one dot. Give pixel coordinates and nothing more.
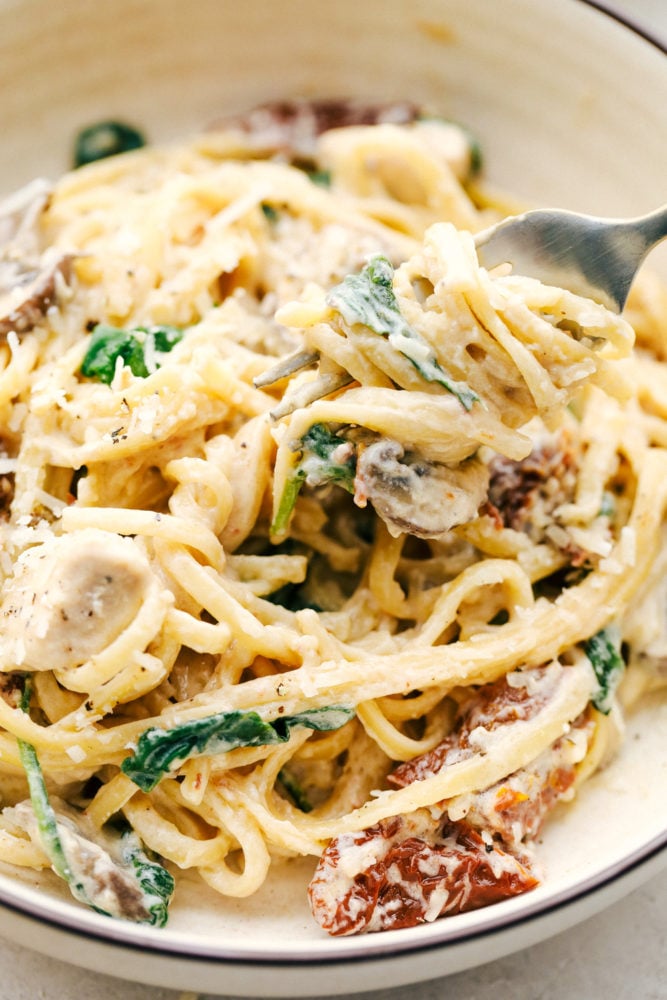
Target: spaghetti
(317, 538)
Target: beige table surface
(621, 954)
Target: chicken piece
(29, 279)
(69, 599)
(420, 498)
(408, 870)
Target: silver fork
(597, 258)
(594, 257)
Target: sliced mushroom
(418, 497)
(99, 874)
(26, 293)
(29, 278)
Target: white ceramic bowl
(569, 105)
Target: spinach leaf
(603, 651)
(291, 597)
(135, 886)
(155, 882)
(368, 298)
(270, 213)
(160, 751)
(44, 814)
(140, 349)
(607, 505)
(104, 139)
(287, 501)
(316, 466)
(294, 790)
(320, 177)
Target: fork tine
(287, 366)
(590, 256)
(323, 386)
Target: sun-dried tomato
(523, 494)
(409, 870)
(492, 706)
(291, 127)
(515, 808)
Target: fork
(593, 257)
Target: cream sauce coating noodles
(316, 537)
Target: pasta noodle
(316, 538)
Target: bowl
(568, 103)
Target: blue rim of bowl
(491, 921)
(627, 21)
